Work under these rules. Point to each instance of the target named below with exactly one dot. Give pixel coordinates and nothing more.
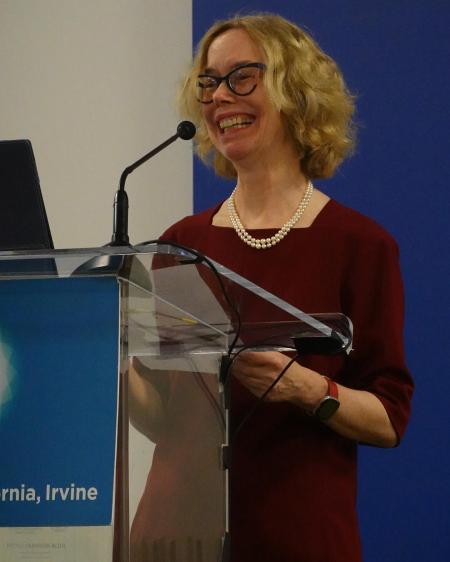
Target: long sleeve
(372, 297)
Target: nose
(223, 94)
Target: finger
(254, 357)
(264, 374)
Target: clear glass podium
(113, 406)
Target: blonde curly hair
(302, 82)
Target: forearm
(361, 416)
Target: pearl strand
(263, 243)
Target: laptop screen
(23, 220)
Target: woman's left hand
(257, 370)
(361, 416)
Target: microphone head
(186, 130)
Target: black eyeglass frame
(219, 79)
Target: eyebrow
(235, 65)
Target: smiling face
(245, 129)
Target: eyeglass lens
(241, 81)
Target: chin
(237, 151)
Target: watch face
(327, 408)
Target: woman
(273, 111)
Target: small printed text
(71, 493)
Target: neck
(269, 193)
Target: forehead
(232, 47)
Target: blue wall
(395, 56)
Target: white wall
(92, 84)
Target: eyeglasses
(241, 81)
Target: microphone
(186, 131)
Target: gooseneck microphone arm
(186, 131)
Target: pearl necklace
(263, 243)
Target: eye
(206, 82)
(242, 74)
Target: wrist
(329, 404)
(311, 388)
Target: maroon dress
(293, 480)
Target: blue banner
(58, 401)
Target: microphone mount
(186, 131)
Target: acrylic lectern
(113, 409)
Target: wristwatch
(329, 404)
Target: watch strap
(329, 403)
(332, 388)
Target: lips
(235, 122)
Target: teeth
(237, 121)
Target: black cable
(202, 258)
(231, 358)
(255, 345)
(261, 398)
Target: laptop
(23, 220)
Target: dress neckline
(319, 217)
